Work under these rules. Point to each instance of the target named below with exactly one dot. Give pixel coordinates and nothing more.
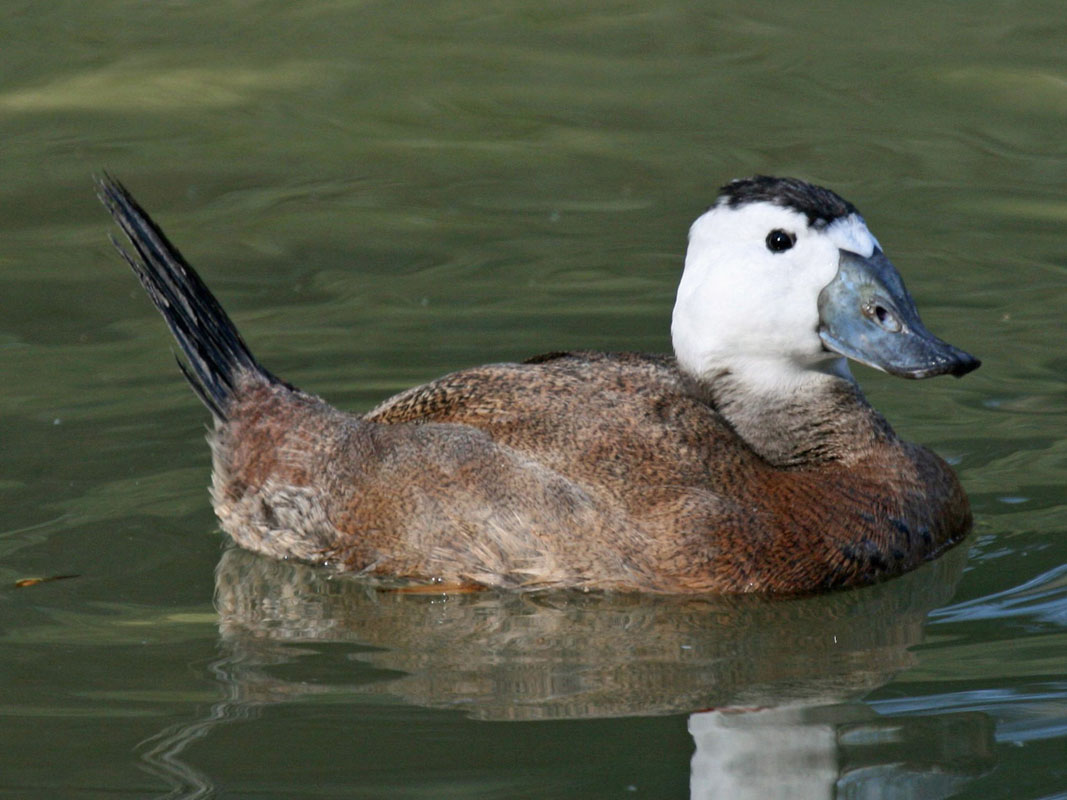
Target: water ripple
(1032, 714)
(1043, 598)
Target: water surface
(380, 194)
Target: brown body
(584, 470)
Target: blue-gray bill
(866, 314)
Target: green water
(381, 192)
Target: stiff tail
(217, 355)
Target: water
(380, 194)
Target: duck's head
(782, 279)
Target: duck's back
(629, 425)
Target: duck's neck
(818, 418)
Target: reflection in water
(824, 751)
(161, 755)
(770, 685)
(566, 655)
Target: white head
(758, 259)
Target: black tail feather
(216, 353)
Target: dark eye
(778, 241)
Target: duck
(747, 461)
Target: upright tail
(217, 355)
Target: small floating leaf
(21, 584)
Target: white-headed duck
(748, 461)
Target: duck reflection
(771, 687)
(545, 656)
(836, 750)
